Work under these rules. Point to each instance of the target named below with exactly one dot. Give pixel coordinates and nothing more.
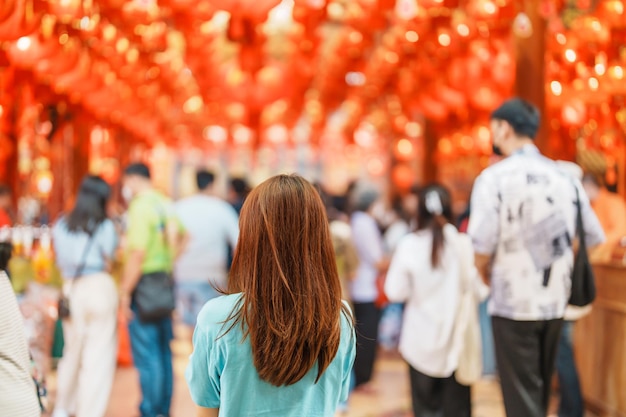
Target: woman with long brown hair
(281, 342)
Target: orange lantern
(66, 10)
(6, 7)
(574, 113)
(403, 177)
(28, 50)
(19, 23)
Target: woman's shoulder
(218, 310)
(107, 225)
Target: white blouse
(432, 299)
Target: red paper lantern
(28, 50)
(66, 10)
(19, 23)
(574, 113)
(6, 7)
(433, 109)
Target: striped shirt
(18, 395)
(523, 213)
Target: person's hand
(125, 309)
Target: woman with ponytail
(425, 273)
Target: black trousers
(526, 354)
(367, 317)
(439, 397)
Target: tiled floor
(390, 397)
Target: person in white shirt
(364, 293)
(201, 269)
(522, 225)
(425, 272)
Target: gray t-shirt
(212, 225)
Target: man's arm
(483, 226)
(130, 278)
(483, 265)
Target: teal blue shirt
(221, 373)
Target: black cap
(523, 116)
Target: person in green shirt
(153, 240)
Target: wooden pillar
(530, 69)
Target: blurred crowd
(411, 269)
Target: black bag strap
(580, 229)
(83, 260)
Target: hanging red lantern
(61, 62)
(574, 113)
(485, 97)
(453, 99)
(613, 12)
(20, 23)
(28, 50)
(403, 177)
(433, 109)
(66, 10)
(6, 7)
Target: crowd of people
(260, 280)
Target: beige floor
(391, 398)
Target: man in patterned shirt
(522, 225)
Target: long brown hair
(285, 267)
(434, 218)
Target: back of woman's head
(434, 211)
(90, 208)
(284, 265)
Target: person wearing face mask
(522, 226)
(154, 238)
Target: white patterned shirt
(523, 213)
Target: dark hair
(363, 199)
(90, 208)
(138, 169)
(591, 178)
(240, 186)
(6, 248)
(429, 219)
(523, 116)
(4, 190)
(204, 179)
(285, 267)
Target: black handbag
(583, 279)
(63, 305)
(154, 296)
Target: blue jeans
(191, 296)
(571, 403)
(150, 344)
(486, 332)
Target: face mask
(496, 150)
(127, 193)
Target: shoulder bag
(583, 290)
(63, 306)
(153, 295)
(467, 328)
